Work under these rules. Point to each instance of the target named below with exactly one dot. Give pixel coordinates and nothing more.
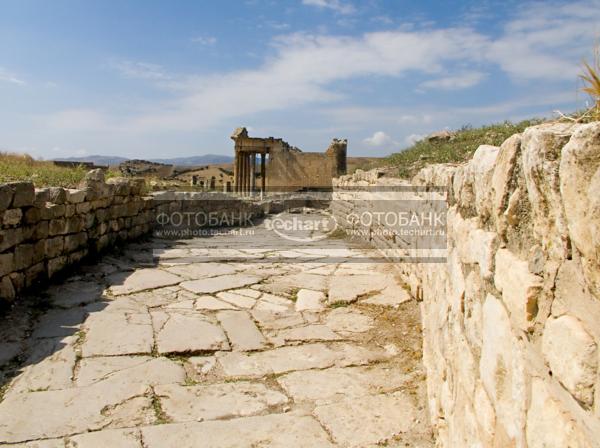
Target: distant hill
(207, 159)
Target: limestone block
(580, 190)
(541, 151)
(572, 355)
(549, 425)
(54, 246)
(74, 224)
(519, 287)
(74, 241)
(57, 227)
(481, 169)
(34, 273)
(75, 196)
(23, 256)
(6, 196)
(55, 265)
(32, 215)
(486, 416)
(23, 194)
(83, 207)
(57, 195)
(473, 244)
(12, 217)
(6, 263)
(10, 238)
(121, 185)
(7, 290)
(53, 211)
(572, 296)
(502, 370)
(503, 173)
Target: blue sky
(163, 79)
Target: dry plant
(591, 80)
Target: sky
(159, 79)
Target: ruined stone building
(284, 167)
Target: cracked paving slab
(157, 348)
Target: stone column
(252, 173)
(236, 172)
(246, 175)
(263, 173)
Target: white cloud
(455, 82)
(335, 5)
(74, 120)
(413, 138)
(6, 76)
(304, 68)
(204, 40)
(141, 70)
(380, 139)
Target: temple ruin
(284, 167)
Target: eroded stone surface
(276, 430)
(241, 330)
(379, 417)
(219, 283)
(189, 333)
(220, 353)
(141, 280)
(217, 401)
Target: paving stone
(270, 320)
(48, 366)
(241, 330)
(308, 333)
(199, 366)
(220, 283)
(189, 333)
(308, 299)
(210, 303)
(133, 370)
(288, 359)
(336, 384)
(237, 299)
(59, 413)
(47, 443)
(111, 438)
(216, 401)
(117, 333)
(349, 288)
(379, 417)
(202, 270)
(76, 293)
(275, 431)
(141, 280)
(252, 293)
(389, 296)
(347, 321)
(59, 322)
(8, 351)
(301, 280)
(270, 307)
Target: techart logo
(303, 228)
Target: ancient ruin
(252, 340)
(284, 167)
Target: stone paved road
(182, 344)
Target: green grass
(21, 167)
(457, 150)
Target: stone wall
(43, 231)
(511, 319)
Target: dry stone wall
(511, 320)
(43, 231)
